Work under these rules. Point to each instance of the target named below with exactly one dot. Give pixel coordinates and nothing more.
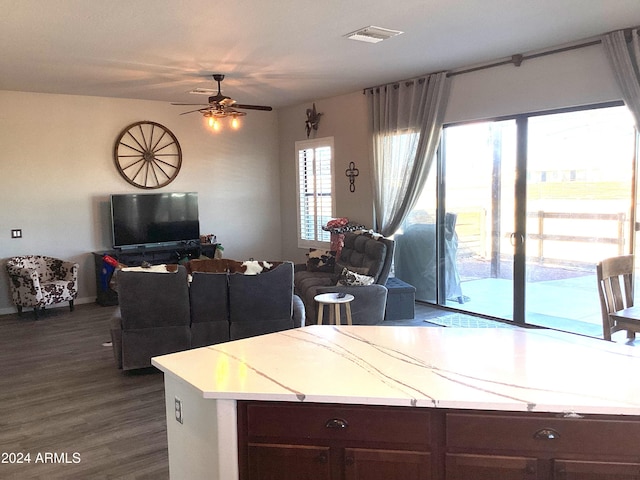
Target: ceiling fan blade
(233, 112)
(192, 111)
(253, 107)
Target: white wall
(58, 172)
(56, 159)
(572, 78)
(345, 119)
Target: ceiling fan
(221, 106)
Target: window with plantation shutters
(315, 190)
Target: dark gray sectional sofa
(162, 313)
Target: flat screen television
(154, 219)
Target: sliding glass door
(520, 213)
(479, 166)
(580, 173)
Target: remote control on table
(342, 295)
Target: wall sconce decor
(352, 172)
(313, 119)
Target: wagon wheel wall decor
(147, 155)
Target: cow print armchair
(37, 281)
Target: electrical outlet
(16, 233)
(178, 406)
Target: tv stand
(133, 257)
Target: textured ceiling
(276, 52)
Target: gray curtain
(407, 121)
(623, 51)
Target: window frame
(519, 314)
(314, 144)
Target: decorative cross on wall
(352, 172)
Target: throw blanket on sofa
(224, 265)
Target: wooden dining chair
(615, 287)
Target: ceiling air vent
(372, 34)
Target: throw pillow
(340, 266)
(321, 260)
(352, 279)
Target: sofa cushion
(261, 303)
(305, 279)
(153, 300)
(155, 316)
(267, 296)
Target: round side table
(332, 300)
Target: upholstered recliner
(364, 254)
(37, 281)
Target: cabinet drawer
(579, 470)
(543, 434)
(361, 423)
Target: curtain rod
(517, 59)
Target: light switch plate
(16, 233)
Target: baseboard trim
(78, 301)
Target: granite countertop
(488, 369)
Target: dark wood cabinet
(357, 442)
(586, 470)
(315, 442)
(485, 445)
(376, 464)
(492, 467)
(462, 466)
(288, 462)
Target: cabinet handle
(336, 423)
(322, 458)
(349, 461)
(546, 434)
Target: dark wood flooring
(61, 394)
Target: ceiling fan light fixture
(221, 106)
(373, 34)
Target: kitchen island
(442, 402)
